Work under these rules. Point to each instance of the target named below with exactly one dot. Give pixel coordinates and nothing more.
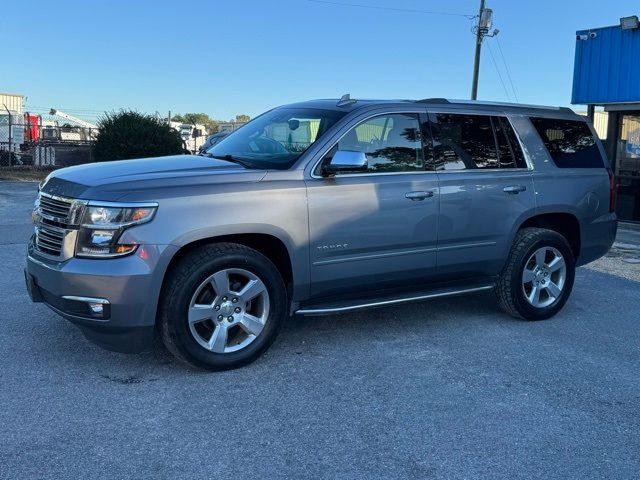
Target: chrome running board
(343, 307)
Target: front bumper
(129, 288)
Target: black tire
(509, 288)
(183, 281)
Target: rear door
(377, 228)
(486, 189)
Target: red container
(31, 127)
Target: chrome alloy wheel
(228, 310)
(544, 277)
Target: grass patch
(24, 173)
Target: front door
(376, 227)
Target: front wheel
(222, 306)
(538, 276)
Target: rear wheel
(222, 306)
(538, 276)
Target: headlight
(102, 226)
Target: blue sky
(245, 56)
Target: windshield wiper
(229, 158)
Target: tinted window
(569, 142)
(509, 150)
(464, 141)
(392, 143)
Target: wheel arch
(271, 246)
(564, 223)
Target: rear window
(569, 142)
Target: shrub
(127, 134)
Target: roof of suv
(356, 104)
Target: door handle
(417, 196)
(514, 189)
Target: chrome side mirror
(346, 161)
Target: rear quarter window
(569, 142)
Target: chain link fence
(52, 138)
(35, 144)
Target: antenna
(345, 100)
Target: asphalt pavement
(451, 388)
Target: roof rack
(498, 104)
(433, 100)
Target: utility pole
(485, 18)
(476, 62)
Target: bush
(127, 134)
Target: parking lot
(452, 388)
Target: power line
(495, 64)
(506, 67)
(394, 9)
(33, 107)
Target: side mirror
(346, 161)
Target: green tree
(203, 119)
(128, 134)
(199, 118)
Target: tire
(524, 271)
(193, 306)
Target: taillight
(612, 191)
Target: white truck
(74, 130)
(193, 135)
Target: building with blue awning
(607, 73)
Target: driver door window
(392, 143)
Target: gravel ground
(623, 259)
(24, 174)
(451, 388)
(619, 263)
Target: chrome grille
(54, 209)
(52, 222)
(49, 239)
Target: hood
(117, 179)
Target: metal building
(12, 102)
(600, 120)
(607, 73)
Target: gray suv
(322, 207)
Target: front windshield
(277, 138)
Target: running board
(340, 307)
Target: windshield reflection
(277, 138)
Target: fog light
(90, 307)
(96, 308)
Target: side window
(509, 150)
(392, 143)
(464, 142)
(569, 142)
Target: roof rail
(433, 100)
(497, 104)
